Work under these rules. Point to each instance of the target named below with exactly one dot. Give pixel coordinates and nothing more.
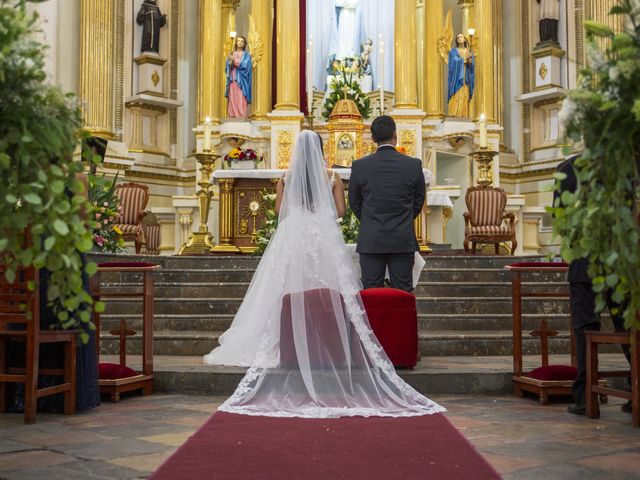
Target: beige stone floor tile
(195, 421)
(42, 458)
(506, 464)
(69, 437)
(143, 463)
(623, 462)
(169, 439)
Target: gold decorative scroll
(285, 142)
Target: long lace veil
(302, 327)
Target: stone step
(458, 375)
(485, 275)
(426, 322)
(249, 261)
(423, 289)
(430, 305)
(443, 343)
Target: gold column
(432, 86)
(420, 35)
(598, 10)
(485, 60)
(260, 43)
(96, 85)
(225, 216)
(288, 53)
(228, 25)
(405, 65)
(210, 61)
(468, 15)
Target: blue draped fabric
(457, 74)
(243, 75)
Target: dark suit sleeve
(420, 191)
(355, 192)
(569, 183)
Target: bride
(302, 328)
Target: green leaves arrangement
(350, 226)
(40, 193)
(347, 87)
(600, 221)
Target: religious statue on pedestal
(549, 16)
(365, 57)
(152, 20)
(347, 30)
(461, 78)
(239, 71)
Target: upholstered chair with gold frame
(484, 219)
(133, 199)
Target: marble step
(249, 261)
(442, 343)
(459, 375)
(425, 305)
(423, 289)
(426, 322)
(240, 275)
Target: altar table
(242, 207)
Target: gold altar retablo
(345, 133)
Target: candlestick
(207, 135)
(381, 61)
(483, 131)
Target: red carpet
(246, 447)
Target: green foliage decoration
(600, 221)
(40, 193)
(349, 224)
(346, 86)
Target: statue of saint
(461, 82)
(347, 31)
(461, 77)
(152, 20)
(548, 24)
(238, 70)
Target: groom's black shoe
(577, 409)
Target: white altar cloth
(438, 199)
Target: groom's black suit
(386, 192)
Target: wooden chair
(133, 199)
(151, 230)
(594, 375)
(20, 322)
(483, 220)
(547, 379)
(116, 379)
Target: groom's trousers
(400, 265)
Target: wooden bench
(133, 380)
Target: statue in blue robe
(461, 80)
(238, 70)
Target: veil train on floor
(302, 328)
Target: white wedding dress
(302, 328)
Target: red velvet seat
(394, 320)
(323, 333)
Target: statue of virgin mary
(347, 30)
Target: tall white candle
(310, 76)
(207, 134)
(483, 131)
(381, 62)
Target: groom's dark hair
(382, 129)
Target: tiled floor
(129, 440)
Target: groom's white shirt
(386, 145)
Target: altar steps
(464, 304)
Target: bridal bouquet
(604, 114)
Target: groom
(386, 193)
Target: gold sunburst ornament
(252, 210)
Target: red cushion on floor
(554, 372)
(112, 371)
(126, 264)
(539, 264)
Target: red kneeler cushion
(114, 371)
(394, 321)
(554, 372)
